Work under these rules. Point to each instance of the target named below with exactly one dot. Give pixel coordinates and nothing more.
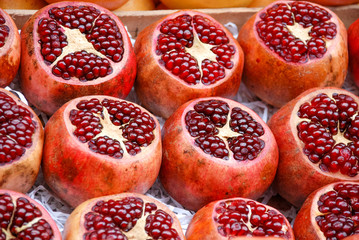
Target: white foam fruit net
(60, 211)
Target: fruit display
(286, 55)
(21, 142)
(168, 55)
(24, 218)
(215, 148)
(353, 44)
(235, 217)
(9, 49)
(69, 50)
(330, 212)
(116, 139)
(123, 216)
(317, 135)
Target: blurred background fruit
(182, 4)
(22, 4)
(334, 2)
(137, 5)
(109, 4)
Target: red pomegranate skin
(276, 81)
(353, 42)
(75, 173)
(48, 92)
(194, 178)
(10, 52)
(162, 92)
(296, 176)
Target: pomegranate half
(73, 49)
(21, 142)
(318, 139)
(292, 46)
(100, 145)
(123, 216)
(329, 213)
(9, 49)
(183, 56)
(238, 218)
(24, 218)
(215, 148)
(353, 42)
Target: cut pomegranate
(100, 145)
(318, 139)
(235, 217)
(123, 216)
(183, 56)
(73, 49)
(353, 42)
(330, 213)
(21, 142)
(290, 47)
(208, 136)
(109, 4)
(24, 218)
(9, 49)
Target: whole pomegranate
(23, 4)
(100, 145)
(318, 139)
(353, 42)
(73, 49)
(215, 148)
(123, 216)
(329, 213)
(290, 47)
(9, 49)
(137, 5)
(24, 218)
(235, 217)
(190, 4)
(334, 2)
(109, 4)
(21, 142)
(185, 55)
(260, 3)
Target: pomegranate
(317, 135)
(215, 148)
(352, 237)
(186, 4)
(73, 49)
(137, 5)
(9, 49)
(353, 40)
(123, 216)
(334, 2)
(329, 213)
(109, 4)
(292, 46)
(100, 145)
(21, 142)
(169, 53)
(230, 218)
(24, 218)
(260, 3)
(23, 4)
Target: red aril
(21, 142)
(290, 47)
(183, 56)
(353, 43)
(318, 139)
(24, 218)
(109, 4)
(100, 145)
(123, 216)
(236, 217)
(9, 49)
(329, 213)
(73, 49)
(215, 148)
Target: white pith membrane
(60, 211)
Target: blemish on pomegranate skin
(258, 60)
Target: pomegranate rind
(202, 225)
(276, 81)
(10, 52)
(20, 175)
(353, 40)
(109, 4)
(75, 173)
(162, 92)
(305, 225)
(297, 176)
(48, 92)
(194, 178)
(74, 226)
(45, 214)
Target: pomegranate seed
(4, 31)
